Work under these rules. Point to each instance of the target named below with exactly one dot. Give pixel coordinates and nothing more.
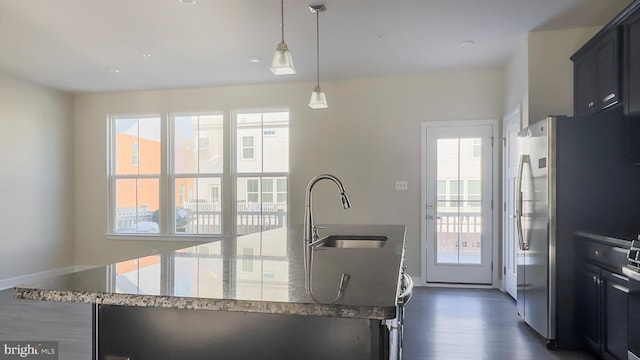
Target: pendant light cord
(318, 47)
(282, 19)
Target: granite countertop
(612, 240)
(261, 272)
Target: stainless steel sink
(352, 241)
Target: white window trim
(228, 177)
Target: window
(167, 174)
(261, 184)
(267, 190)
(455, 192)
(248, 147)
(281, 190)
(197, 159)
(473, 193)
(253, 190)
(135, 169)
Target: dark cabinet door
(615, 294)
(631, 77)
(588, 284)
(597, 75)
(607, 72)
(584, 84)
(632, 65)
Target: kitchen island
(244, 297)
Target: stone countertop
(606, 239)
(262, 272)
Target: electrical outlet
(402, 185)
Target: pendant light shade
(318, 99)
(282, 63)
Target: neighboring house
(197, 148)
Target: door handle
(433, 217)
(521, 243)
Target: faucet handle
(315, 231)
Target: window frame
(113, 177)
(167, 197)
(173, 175)
(259, 175)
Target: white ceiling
(72, 44)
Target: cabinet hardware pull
(608, 97)
(621, 288)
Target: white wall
(369, 137)
(36, 217)
(551, 70)
(517, 81)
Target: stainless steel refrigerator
(538, 230)
(535, 212)
(573, 176)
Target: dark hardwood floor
(67, 323)
(470, 324)
(441, 324)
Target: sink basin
(352, 241)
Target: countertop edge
(257, 306)
(608, 240)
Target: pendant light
(282, 63)
(318, 100)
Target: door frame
(514, 115)
(495, 190)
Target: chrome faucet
(310, 231)
(311, 234)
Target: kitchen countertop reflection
(261, 272)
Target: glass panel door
(459, 219)
(459, 212)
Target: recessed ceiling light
(114, 70)
(188, 2)
(146, 56)
(467, 43)
(255, 59)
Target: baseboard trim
(11, 282)
(460, 286)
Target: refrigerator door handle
(521, 243)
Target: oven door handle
(409, 288)
(630, 273)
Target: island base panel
(143, 333)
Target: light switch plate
(402, 185)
